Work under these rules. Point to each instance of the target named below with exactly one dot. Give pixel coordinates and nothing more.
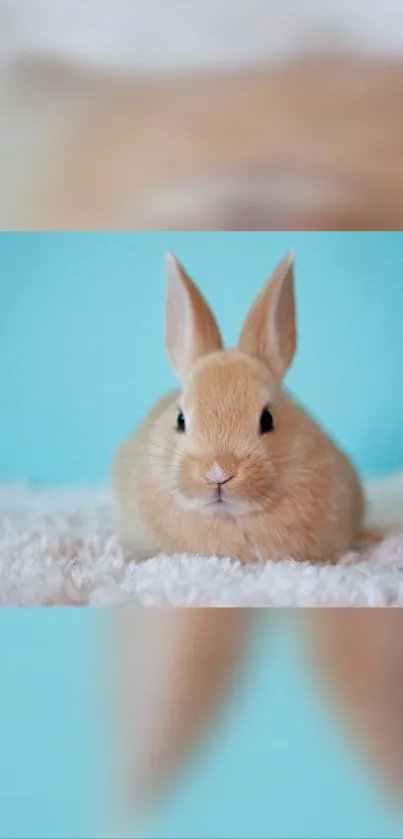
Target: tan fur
(290, 492)
(371, 534)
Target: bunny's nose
(217, 475)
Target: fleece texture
(59, 547)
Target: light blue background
(51, 723)
(81, 338)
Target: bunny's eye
(266, 421)
(180, 422)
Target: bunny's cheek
(191, 486)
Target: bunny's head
(233, 434)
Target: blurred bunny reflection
(250, 115)
(177, 667)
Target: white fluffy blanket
(59, 547)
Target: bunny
(230, 465)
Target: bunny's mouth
(218, 503)
(224, 505)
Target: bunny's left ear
(269, 331)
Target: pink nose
(217, 475)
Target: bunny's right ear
(191, 328)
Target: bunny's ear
(191, 328)
(269, 331)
